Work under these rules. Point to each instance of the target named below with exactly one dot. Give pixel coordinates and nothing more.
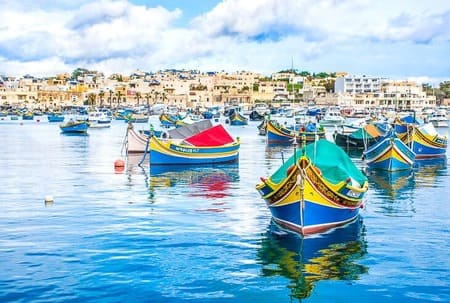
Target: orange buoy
(119, 166)
(119, 163)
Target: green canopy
(332, 161)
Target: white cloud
(362, 37)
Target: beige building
(199, 90)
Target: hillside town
(191, 89)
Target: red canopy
(214, 136)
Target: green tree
(427, 88)
(304, 74)
(79, 72)
(322, 75)
(444, 87)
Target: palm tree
(119, 96)
(110, 99)
(155, 100)
(147, 97)
(164, 97)
(101, 94)
(138, 97)
(91, 99)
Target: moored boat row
(318, 187)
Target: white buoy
(48, 199)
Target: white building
(357, 85)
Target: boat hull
(136, 142)
(170, 153)
(428, 147)
(389, 154)
(347, 141)
(323, 218)
(74, 127)
(55, 118)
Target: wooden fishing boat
(256, 116)
(426, 142)
(137, 118)
(404, 125)
(213, 145)
(237, 118)
(317, 189)
(168, 120)
(138, 141)
(277, 133)
(28, 115)
(55, 117)
(360, 138)
(74, 127)
(390, 154)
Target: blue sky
(400, 39)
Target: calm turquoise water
(202, 235)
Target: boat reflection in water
(207, 181)
(391, 185)
(427, 171)
(304, 261)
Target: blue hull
(78, 128)
(55, 118)
(390, 154)
(278, 138)
(238, 122)
(424, 151)
(316, 216)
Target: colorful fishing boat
(360, 138)
(213, 145)
(389, 153)
(136, 118)
(168, 120)
(316, 189)
(404, 125)
(427, 143)
(28, 115)
(74, 127)
(55, 117)
(277, 133)
(236, 118)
